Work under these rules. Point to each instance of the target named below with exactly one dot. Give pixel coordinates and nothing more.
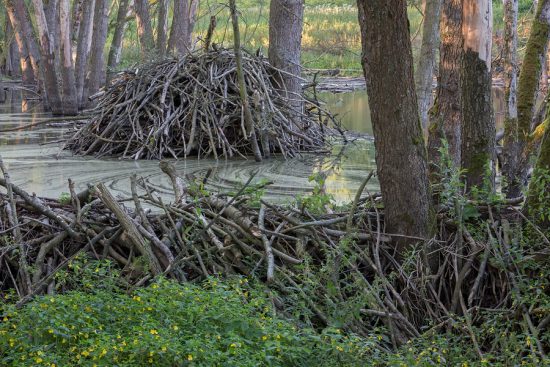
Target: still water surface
(37, 163)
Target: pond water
(37, 163)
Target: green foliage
(167, 324)
(319, 200)
(538, 204)
(65, 198)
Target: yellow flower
(233, 345)
(278, 337)
(176, 328)
(137, 298)
(153, 332)
(164, 348)
(103, 352)
(339, 348)
(50, 331)
(5, 319)
(39, 360)
(155, 286)
(189, 357)
(85, 353)
(264, 338)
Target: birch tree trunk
(83, 49)
(400, 151)
(445, 116)
(517, 147)
(27, 72)
(286, 19)
(478, 129)
(426, 65)
(96, 77)
(116, 45)
(162, 27)
(70, 105)
(47, 60)
(144, 27)
(183, 23)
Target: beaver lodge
(193, 106)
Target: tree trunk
(426, 65)
(517, 147)
(97, 75)
(445, 116)
(27, 72)
(145, 30)
(83, 49)
(21, 13)
(116, 45)
(47, 60)
(537, 203)
(51, 9)
(183, 22)
(70, 104)
(76, 19)
(162, 27)
(286, 19)
(400, 151)
(478, 128)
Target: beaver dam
(192, 106)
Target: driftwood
(320, 260)
(201, 105)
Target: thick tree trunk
(183, 22)
(517, 147)
(47, 60)
(70, 104)
(97, 75)
(400, 151)
(116, 45)
(445, 116)
(27, 72)
(478, 128)
(83, 49)
(538, 194)
(144, 27)
(162, 27)
(426, 65)
(286, 19)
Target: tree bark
(27, 72)
(445, 116)
(76, 19)
(426, 65)
(83, 49)
(183, 22)
(116, 45)
(400, 151)
(47, 60)
(70, 104)
(478, 128)
(97, 75)
(144, 27)
(162, 27)
(286, 19)
(517, 147)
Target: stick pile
(191, 106)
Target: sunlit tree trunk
(286, 19)
(97, 75)
(47, 60)
(445, 117)
(83, 49)
(183, 22)
(144, 27)
(116, 45)
(400, 151)
(426, 65)
(27, 72)
(70, 105)
(478, 128)
(162, 27)
(517, 146)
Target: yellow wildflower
(38, 360)
(153, 332)
(176, 328)
(189, 357)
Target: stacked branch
(325, 261)
(192, 106)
